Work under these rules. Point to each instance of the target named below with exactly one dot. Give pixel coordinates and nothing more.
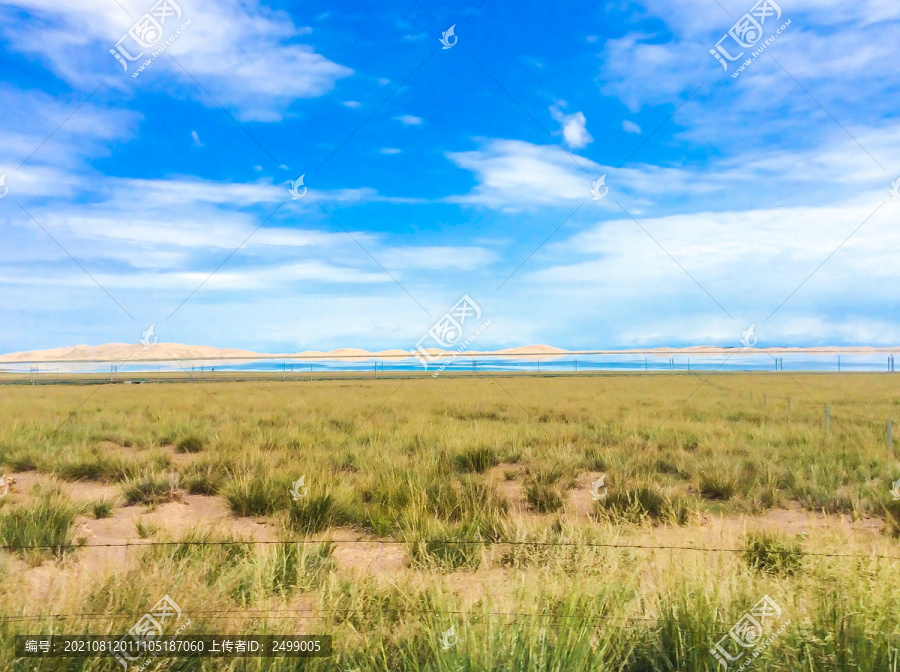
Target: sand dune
(124, 352)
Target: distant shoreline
(167, 352)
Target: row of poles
(888, 423)
(779, 366)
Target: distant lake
(740, 361)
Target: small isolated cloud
(631, 127)
(409, 120)
(573, 126)
(390, 150)
(196, 139)
(515, 175)
(352, 104)
(383, 81)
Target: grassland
(463, 503)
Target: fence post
(789, 402)
(827, 417)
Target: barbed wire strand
(487, 542)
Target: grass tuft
(151, 488)
(314, 513)
(146, 528)
(475, 460)
(256, 495)
(189, 444)
(642, 503)
(47, 523)
(542, 490)
(771, 553)
(103, 508)
(718, 485)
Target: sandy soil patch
(369, 556)
(513, 490)
(580, 499)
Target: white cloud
(573, 126)
(352, 104)
(630, 127)
(229, 46)
(749, 261)
(390, 150)
(409, 119)
(513, 174)
(196, 138)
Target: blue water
(465, 364)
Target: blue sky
(434, 173)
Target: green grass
(189, 444)
(543, 490)
(718, 484)
(103, 508)
(151, 488)
(557, 583)
(256, 495)
(644, 503)
(47, 524)
(146, 528)
(475, 460)
(771, 552)
(314, 513)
